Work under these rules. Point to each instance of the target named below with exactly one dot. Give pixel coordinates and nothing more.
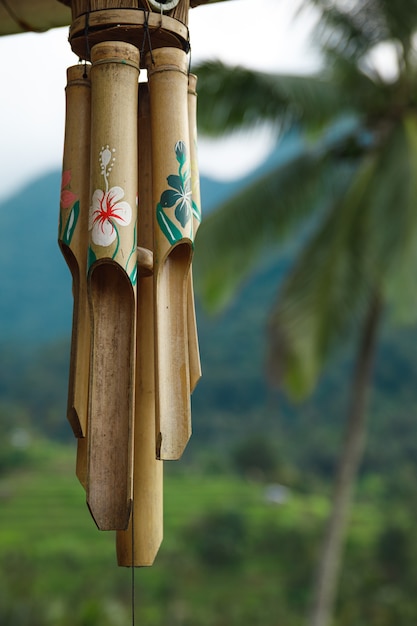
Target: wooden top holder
(131, 21)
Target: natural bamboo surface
(193, 346)
(73, 236)
(139, 545)
(168, 85)
(112, 282)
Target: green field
(228, 556)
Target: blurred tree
(218, 538)
(350, 192)
(256, 457)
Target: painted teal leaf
(181, 152)
(133, 275)
(169, 198)
(71, 223)
(91, 257)
(175, 181)
(196, 211)
(171, 232)
(183, 212)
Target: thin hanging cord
(188, 51)
(86, 31)
(146, 36)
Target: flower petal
(115, 194)
(183, 213)
(66, 178)
(103, 233)
(175, 181)
(67, 198)
(95, 207)
(181, 152)
(105, 157)
(169, 198)
(122, 213)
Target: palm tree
(352, 190)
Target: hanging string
(188, 50)
(146, 36)
(87, 31)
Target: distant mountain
(35, 285)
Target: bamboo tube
(112, 281)
(193, 347)
(73, 236)
(168, 84)
(82, 460)
(141, 547)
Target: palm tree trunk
(326, 581)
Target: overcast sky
(256, 33)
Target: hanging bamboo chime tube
(168, 86)
(112, 279)
(194, 351)
(139, 545)
(73, 236)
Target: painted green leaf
(91, 257)
(134, 275)
(171, 232)
(196, 211)
(176, 181)
(183, 213)
(71, 223)
(169, 198)
(181, 152)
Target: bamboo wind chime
(130, 208)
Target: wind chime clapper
(141, 360)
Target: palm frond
(234, 97)
(400, 19)
(266, 213)
(325, 293)
(353, 29)
(393, 217)
(350, 29)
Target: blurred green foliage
(229, 556)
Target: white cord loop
(163, 6)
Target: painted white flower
(108, 211)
